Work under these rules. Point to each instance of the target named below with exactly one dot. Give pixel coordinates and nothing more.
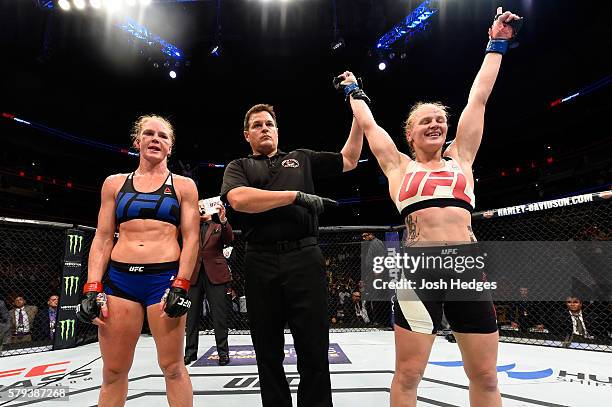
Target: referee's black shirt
(293, 171)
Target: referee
(285, 276)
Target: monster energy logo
(66, 329)
(71, 285)
(76, 243)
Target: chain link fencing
(36, 262)
(582, 227)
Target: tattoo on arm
(471, 234)
(412, 230)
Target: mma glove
(351, 89)
(501, 45)
(177, 301)
(91, 306)
(313, 203)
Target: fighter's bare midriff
(437, 226)
(145, 241)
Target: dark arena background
(75, 74)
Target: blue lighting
(142, 33)
(408, 25)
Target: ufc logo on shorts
(136, 268)
(427, 182)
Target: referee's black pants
(289, 287)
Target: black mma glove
(91, 306)
(351, 89)
(177, 302)
(502, 35)
(314, 203)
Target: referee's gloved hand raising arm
(313, 203)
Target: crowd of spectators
(25, 325)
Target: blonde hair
(410, 119)
(139, 124)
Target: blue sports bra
(161, 205)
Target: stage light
(64, 4)
(172, 74)
(95, 3)
(79, 4)
(338, 44)
(112, 5)
(130, 3)
(216, 51)
(382, 66)
(145, 2)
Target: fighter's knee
(484, 379)
(408, 378)
(172, 370)
(113, 373)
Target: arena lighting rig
(411, 24)
(140, 34)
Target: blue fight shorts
(142, 283)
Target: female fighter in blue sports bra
(433, 190)
(146, 269)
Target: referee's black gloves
(313, 203)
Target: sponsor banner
(242, 355)
(484, 271)
(74, 246)
(70, 292)
(544, 205)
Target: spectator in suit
(22, 318)
(527, 314)
(44, 322)
(578, 322)
(5, 325)
(234, 300)
(210, 276)
(357, 312)
(379, 299)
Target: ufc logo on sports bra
(430, 181)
